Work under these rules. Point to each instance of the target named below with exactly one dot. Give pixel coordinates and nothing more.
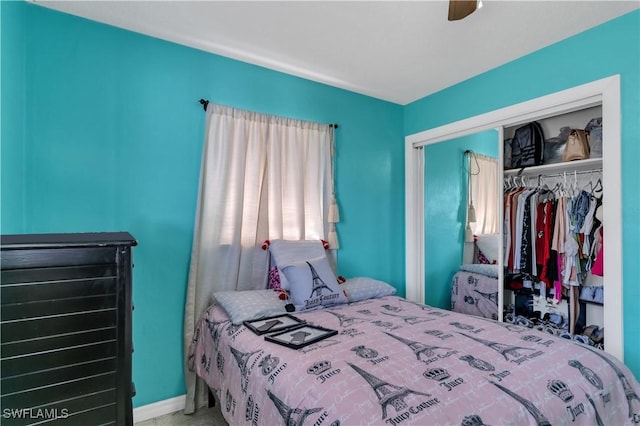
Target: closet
(573, 107)
(553, 229)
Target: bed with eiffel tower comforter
(394, 362)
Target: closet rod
(205, 104)
(569, 174)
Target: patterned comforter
(394, 362)
(474, 294)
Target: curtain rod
(205, 103)
(476, 155)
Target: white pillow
(286, 253)
(479, 268)
(313, 284)
(489, 245)
(249, 305)
(362, 288)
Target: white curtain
(484, 193)
(262, 177)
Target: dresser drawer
(54, 376)
(56, 342)
(57, 273)
(73, 411)
(49, 257)
(30, 285)
(63, 392)
(30, 310)
(39, 361)
(53, 325)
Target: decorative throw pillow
(287, 253)
(249, 304)
(482, 269)
(482, 259)
(313, 284)
(489, 245)
(362, 288)
(273, 281)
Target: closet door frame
(604, 92)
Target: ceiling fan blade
(459, 9)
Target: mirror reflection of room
(447, 205)
(475, 287)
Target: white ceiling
(394, 50)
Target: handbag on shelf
(577, 147)
(594, 128)
(527, 146)
(554, 147)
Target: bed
(395, 362)
(474, 287)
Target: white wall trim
(159, 408)
(500, 210)
(414, 208)
(605, 91)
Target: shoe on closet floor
(594, 333)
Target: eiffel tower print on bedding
(475, 293)
(395, 362)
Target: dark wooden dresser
(66, 329)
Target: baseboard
(159, 408)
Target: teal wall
(445, 209)
(609, 49)
(105, 133)
(12, 126)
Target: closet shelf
(569, 166)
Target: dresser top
(90, 239)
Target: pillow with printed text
(286, 253)
(312, 284)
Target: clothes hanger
(597, 188)
(546, 194)
(589, 183)
(572, 185)
(507, 183)
(563, 185)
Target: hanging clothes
(550, 235)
